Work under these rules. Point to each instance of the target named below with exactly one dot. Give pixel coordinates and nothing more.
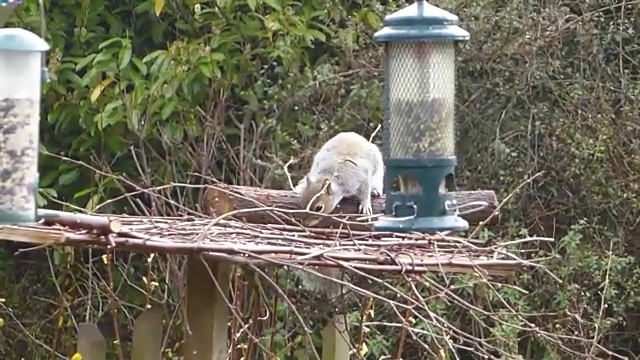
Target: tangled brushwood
(406, 277)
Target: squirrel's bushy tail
(321, 285)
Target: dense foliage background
(145, 93)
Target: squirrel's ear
(326, 184)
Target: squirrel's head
(318, 196)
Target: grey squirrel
(346, 165)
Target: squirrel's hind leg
(377, 182)
(364, 197)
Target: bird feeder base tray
(431, 224)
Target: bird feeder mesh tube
(19, 127)
(421, 95)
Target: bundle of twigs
(239, 242)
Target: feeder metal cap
(18, 39)
(421, 21)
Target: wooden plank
(91, 344)
(335, 339)
(207, 311)
(46, 236)
(147, 335)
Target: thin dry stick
(291, 306)
(57, 316)
(113, 300)
(497, 210)
(148, 281)
(231, 307)
(286, 172)
(363, 318)
(374, 132)
(255, 328)
(28, 334)
(236, 322)
(403, 334)
(603, 298)
(273, 318)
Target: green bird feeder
(21, 75)
(419, 127)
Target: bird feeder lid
(18, 39)
(421, 21)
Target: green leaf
(217, 56)
(167, 110)
(106, 43)
(112, 105)
(72, 77)
(316, 34)
(68, 177)
(216, 72)
(40, 200)
(125, 56)
(106, 56)
(274, 4)
(250, 97)
(50, 192)
(252, 4)
(153, 55)
(142, 68)
(205, 69)
(373, 19)
(93, 202)
(85, 61)
(82, 193)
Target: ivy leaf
(158, 6)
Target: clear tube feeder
(21, 75)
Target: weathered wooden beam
(206, 335)
(100, 224)
(91, 343)
(147, 335)
(219, 199)
(6, 11)
(335, 339)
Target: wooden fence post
(91, 344)
(147, 335)
(335, 339)
(206, 336)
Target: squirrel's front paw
(375, 193)
(365, 208)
